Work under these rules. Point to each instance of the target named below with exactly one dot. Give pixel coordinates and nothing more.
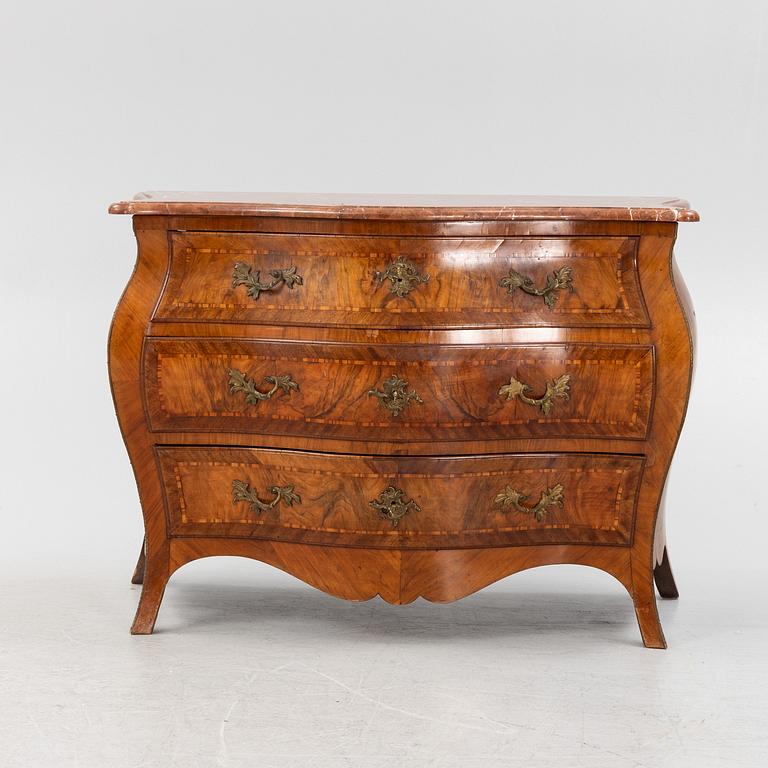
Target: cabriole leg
(644, 598)
(156, 574)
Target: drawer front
(400, 502)
(399, 392)
(325, 280)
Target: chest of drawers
(404, 397)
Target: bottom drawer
(382, 502)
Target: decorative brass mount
(556, 389)
(394, 396)
(392, 505)
(241, 491)
(509, 497)
(245, 274)
(239, 382)
(561, 278)
(403, 276)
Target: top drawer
(409, 282)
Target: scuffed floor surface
(251, 668)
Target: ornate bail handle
(239, 382)
(561, 278)
(393, 395)
(557, 389)
(509, 497)
(392, 505)
(245, 274)
(403, 276)
(241, 491)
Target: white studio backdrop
(101, 100)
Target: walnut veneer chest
(404, 396)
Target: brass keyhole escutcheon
(393, 505)
(394, 395)
(403, 276)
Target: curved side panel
(125, 341)
(671, 335)
(689, 315)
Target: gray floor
(251, 668)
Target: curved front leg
(126, 340)
(644, 598)
(156, 574)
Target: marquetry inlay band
(556, 476)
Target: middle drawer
(398, 392)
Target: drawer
(400, 502)
(398, 392)
(386, 282)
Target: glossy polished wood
(459, 283)
(465, 560)
(455, 497)
(610, 390)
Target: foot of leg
(644, 598)
(650, 626)
(156, 574)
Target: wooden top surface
(408, 207)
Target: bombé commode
(404, 396)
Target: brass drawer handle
(403, 276)
(392, 505)
(559, 279)
(245, 274)
(239, 382)
(394, 396)
(241, 491)
(509, 497)
(557, 389)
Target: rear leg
(665, 581)
(138, 571)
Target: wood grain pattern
(126, 337)
(402, 576)
(610, 389)
(399, 573)
(461, 289)
(456, 497)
